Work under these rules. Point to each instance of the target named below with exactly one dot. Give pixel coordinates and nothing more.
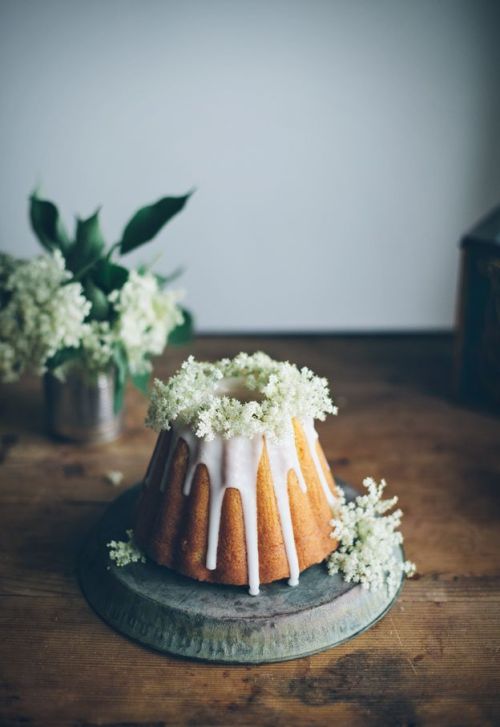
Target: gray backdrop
(339, 149)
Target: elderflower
(42, 312)
(367, 540)
(240, 397)
(123, 552)
(146, 315)
(98, 340)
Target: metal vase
(81, 407)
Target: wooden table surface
(433, 660)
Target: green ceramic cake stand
(174, 614)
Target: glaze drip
(312, 442)
(283, 458)
(234, 463)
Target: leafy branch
(90, 261)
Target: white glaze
(236, 388)
(312, 442)
(234, 463)
(283, 458)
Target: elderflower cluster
(123, 552)
(368, 539)
(199, 396)
(146, 315)
(41, 312)
(44, 310)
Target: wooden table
(433, 660)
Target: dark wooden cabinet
(477, 353)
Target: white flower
(146, 316)
(98, 340)
(42, 312)
(367, 540)
(198, 396)
(125, 552)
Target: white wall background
(339, 149)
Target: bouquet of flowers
(75, 306)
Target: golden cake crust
(172, 528)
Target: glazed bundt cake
(238, 489)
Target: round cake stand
(171, 613)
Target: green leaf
(47, 225)
(89, 244)
(109, 276)
(184, 332)
(62, 356)
(141, 382)
(148, 221)
(99, 300)
(164, 280)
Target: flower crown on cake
(240, 397)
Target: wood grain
(433, 660)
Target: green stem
(112, 249)
(86, 268)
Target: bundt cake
(238, 489)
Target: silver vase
(81, 408)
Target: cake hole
(236, 388)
